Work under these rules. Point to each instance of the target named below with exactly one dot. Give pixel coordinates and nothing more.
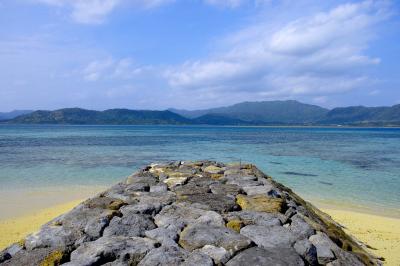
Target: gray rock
(269, 236)
(94, 228)
(142, 178)
(256, 256)
(346, 258)
(129, 225)
(225, 189)
(215, 202)
(256, 218)
(307, 250)
(198, 258)
(142, 208)
(243, 182)
(197, 236)
(324, 247)
(203, 181)
(218, 254)
(164, 236)
(53, 236)
(116, 248)
(36, 257)
(160, 188)
(191, 189)
(210, 218)
(177, 216)
(137, 187)
(257, 190)
(165, 255)
(300, 228)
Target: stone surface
(307, 250)
(129, 225)
(197, 236)
(218, 254)
(269, 236)
(324, 247)
(260, 257)
(165, 237)
(213, 170)
(130, 250)
(191, 213)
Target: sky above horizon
(194, 54)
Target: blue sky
(156, 54)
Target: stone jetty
(192, 213)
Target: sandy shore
(24, 211)
(14, 229)
(380, 233)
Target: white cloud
(96, 11)
(110, 68)
(225, 3)
(321, 54)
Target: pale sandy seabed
(24, 212)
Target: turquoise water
(360, 166)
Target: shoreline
(380, 234)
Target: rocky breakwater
(191, 213)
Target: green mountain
(363, 115)
(267, 112)
(246, 113)
(109, 117)
(13, 114)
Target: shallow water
(349, 166)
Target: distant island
(279, 113)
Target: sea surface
(360, 167)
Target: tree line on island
(242, 114)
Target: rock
(177, 216)
(159, 188)
(129, 225)
(130, 250)
(165, 255)
(299, 227)
(197, 236)
(269, 236)
(213, 170)
(198, 258)
(210, 218)
(53, 236)
(215, 202)
(142, 208)
(256, 218)
(191, 189)
(164, 236)
(146, 178)
(257, 190)
(243, 181)
(175, 181)
(235, 224)
(39, 256)
(219, 255)
(225, 189)
(260, 203)
(179, 213)
(307, 250)
(256, 256)
(324, 247)
(202, 181)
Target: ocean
(349, 166)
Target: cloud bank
(318, 55)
